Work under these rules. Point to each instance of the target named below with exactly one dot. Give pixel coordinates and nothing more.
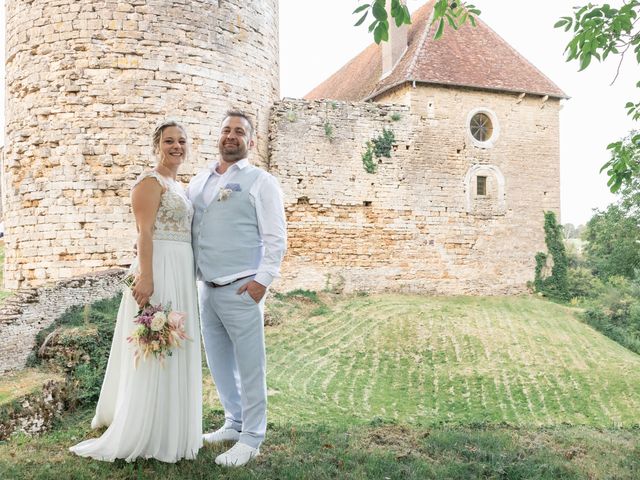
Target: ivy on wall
(378, 147)
(555, 285)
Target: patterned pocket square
(234, 187)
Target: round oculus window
(481, 127)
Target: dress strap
(152, 174)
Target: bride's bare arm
(145, 200)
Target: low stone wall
(36, 412)
(27, 312)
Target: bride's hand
(142, 290)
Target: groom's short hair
(241, 114)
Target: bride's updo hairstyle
(157, 133)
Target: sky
(318, 39)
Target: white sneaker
(221, 435)
(237, 456)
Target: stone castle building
(457, 207)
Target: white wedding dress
(154, 410)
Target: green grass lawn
(428, 361)
(410, 387)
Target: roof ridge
(421, 44)
(494, 33)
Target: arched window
(484, 191)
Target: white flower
(224, 194)
(158, 322)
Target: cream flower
(158, 321)
(224, 194)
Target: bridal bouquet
(159, 331)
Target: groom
(239, 239)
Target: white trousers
(233, 334)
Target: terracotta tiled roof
(470, 57)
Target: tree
(613, 236)
(624, 165)
(569, 230)
(611, 247)
(600, 32)
(451, 12)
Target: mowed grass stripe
(317, 349)
(430, 360)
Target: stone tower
(86, 81)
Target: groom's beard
(232, 152)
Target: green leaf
(439, 8)
(359, 22)
(373, 25)
(451, 21)
(361, 8)
(407, 15)
(439, 30)
(379, 12)
(472, 20)
(585, 60)
(617, 186)
(385, 31)
(380, 32)
(559, 23)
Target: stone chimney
(394, 48)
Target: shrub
(581, 283)
(600, 320)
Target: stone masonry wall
(418, 223)
(28, 311)
(86, 83)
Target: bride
(154, 409)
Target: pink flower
(177, 318)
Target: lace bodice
(173, 221)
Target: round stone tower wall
(86, 83)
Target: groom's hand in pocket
(254, 289)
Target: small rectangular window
(481, 185)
